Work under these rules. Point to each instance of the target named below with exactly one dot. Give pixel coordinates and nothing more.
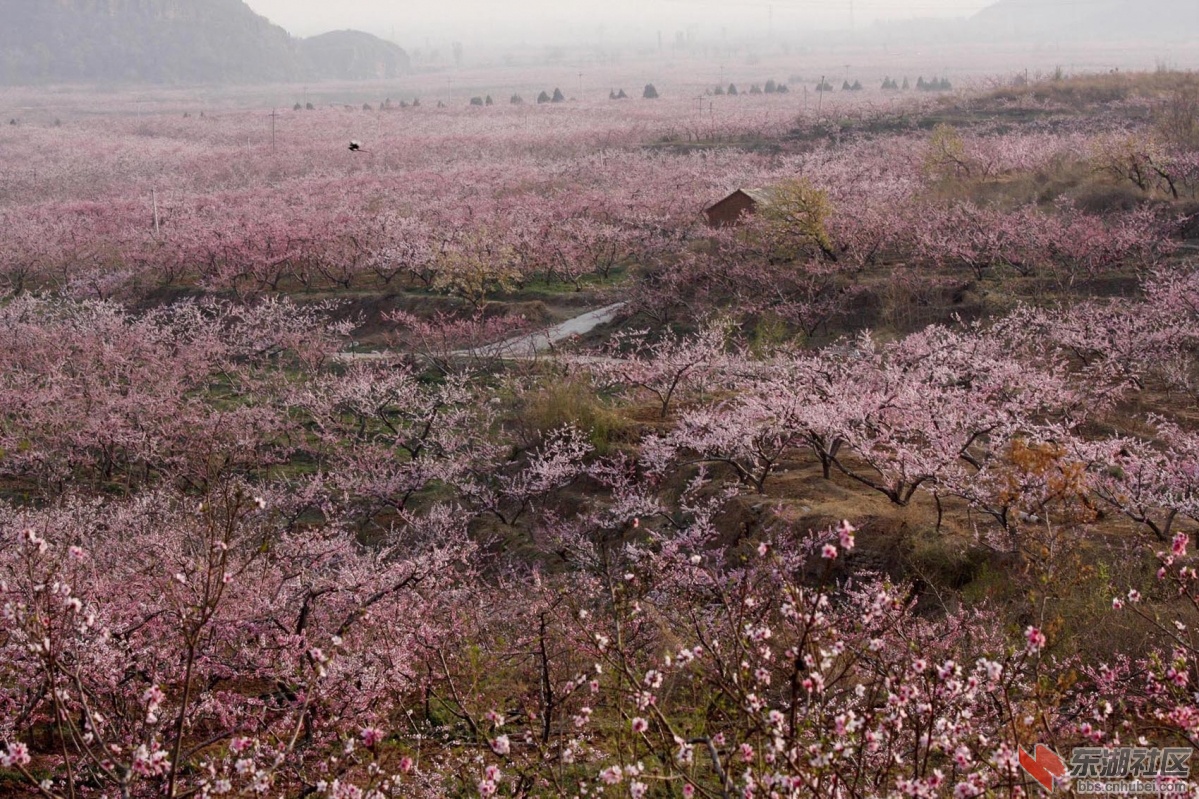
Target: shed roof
(760, 196)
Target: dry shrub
(1081, 91)
(1178, 117)
(1104, 198)
(571, 401)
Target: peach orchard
(855, 498)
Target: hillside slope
(1164, 20)
(169, 41)
(351, 55)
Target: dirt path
(532, 344)
(529, 345)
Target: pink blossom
(344, 790)
(966, 790)
(962, 757)
(151, 764)
(17, 755)
(1035, 638)
(153, 697)
(845, 531)
(611, 775)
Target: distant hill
(174, 41)
(352, 55)
(1164, 20)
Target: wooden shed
(730, 210)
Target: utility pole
(820, 97)
(154, 200)
(274, 113)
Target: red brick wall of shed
(729, 210)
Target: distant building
(730, 210)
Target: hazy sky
(542, 21)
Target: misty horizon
(620, 22)
(228, 41)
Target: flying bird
(355, 146)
